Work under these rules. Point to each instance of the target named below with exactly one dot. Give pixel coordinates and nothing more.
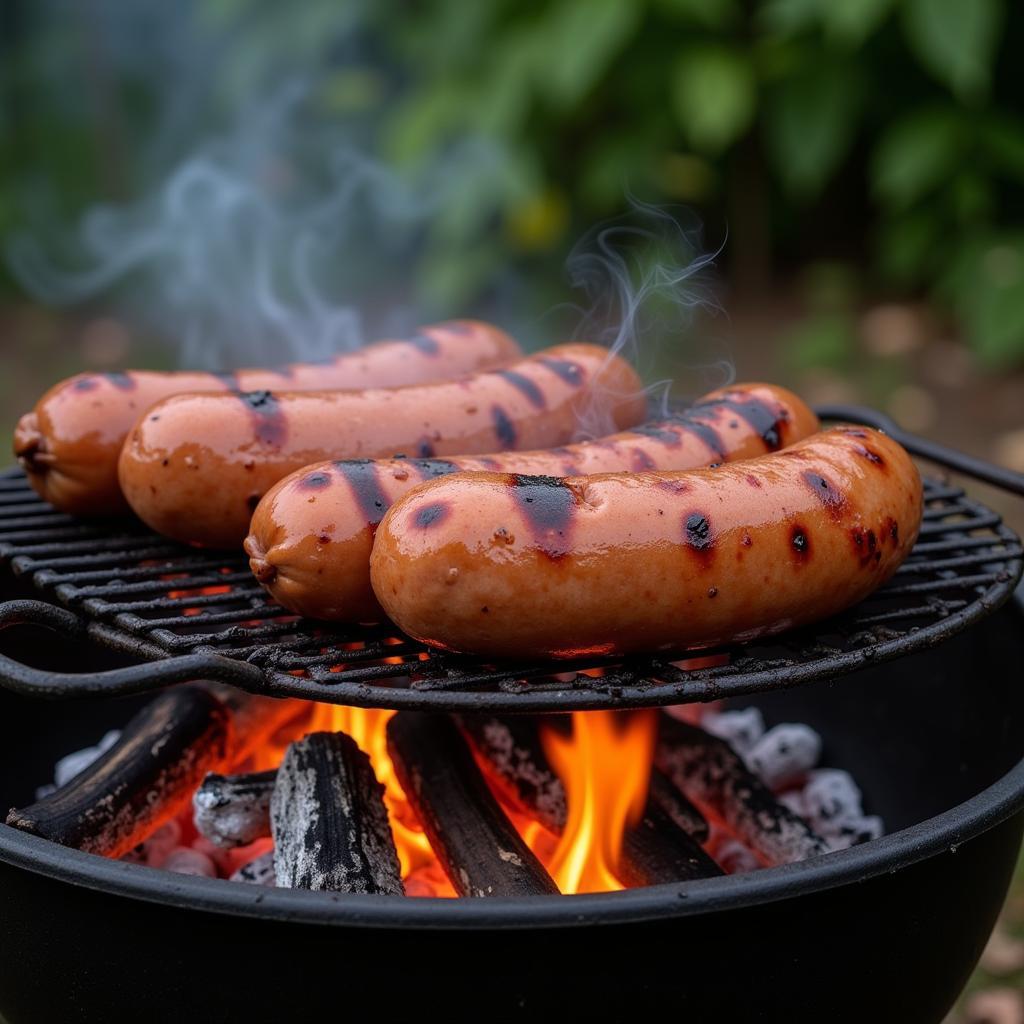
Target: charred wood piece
(709, 771)
(476, 844)
(517, 766)
(664, 846)
(143, 780)
(234, 810)
(259, 871)
(329, 822)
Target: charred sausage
(505, 565)
(195, 466)
(310, 538)
(69, 444)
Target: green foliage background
(883, 134)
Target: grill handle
(959, 462)
(142, 678)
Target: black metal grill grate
(158, 600)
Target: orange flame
(605, 767)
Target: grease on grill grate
(158, 599)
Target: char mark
(315, 481)
(870, 454)
(229, 380)
(86, 384)
(548, 506)
(432, 514)
(361, 475)
(424, 448)
(425, 344)
(800, 541)
(660, 430)
(699, 535)
(268, 417)
(640, 461)
(503, 427)
(767, 422)
(828, 494)
(431, 469)
(706, 434)
(572, 373)
(526, 386)
(121, 381)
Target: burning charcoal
(185, 861)
(784, 755)
(521, 773)
(259, 871)
(148, 775)
(711, 773)
(735, 858)
(740, 729)
(794, 800)
(653, 851)
(855, 832)
(234, 810)
(478, 847)
(143, 780)
(832, 800)
(74, 764)
(219, 856)
(329, 822)
(156, 848)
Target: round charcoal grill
(185, 613)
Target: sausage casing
(504, 565)
(195, 466)
(310, 537)
(69, 443)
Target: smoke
(645, 277)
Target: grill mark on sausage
(640, 461)
(424, 448)
(122, 381)
(267, 415)
(315, 481)
(86, 384)
(526, 386)
(426, 344)
(765, 420)
(828, 494)
(229, 380)
(503, 427)
(431, 469)
(361, 475)
(800, 542)
(548, 505)
(660, 430)
(705, 433)
(753, 481)
(699, 535)
(572, 373)
(870, 454)
(430, 515)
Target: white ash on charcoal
(259, 871)
(76, 762)
(328, 820)
(740, 729)
(234, 810)
(784, 755)
(734, 858)
(183, 860)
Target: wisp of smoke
(644, 277)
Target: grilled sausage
(195, 466)
(69, 444)
(503, 565)
(310, 538)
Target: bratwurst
(195, 466)
(505, 565)
(310, 538)
(69, 444)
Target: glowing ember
(605, 767)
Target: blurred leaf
(709, 13)
(810, 122)
(1002, 136)
(580, 39)
(714, 96)
(852, 21)
(418, 125)
(787, 17)
(914, 156)
(907, 246)
(955, 40)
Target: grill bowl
(892, 928)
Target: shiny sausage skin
(514, 566)
(69, 444)
(195, 466)
(310, 538)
